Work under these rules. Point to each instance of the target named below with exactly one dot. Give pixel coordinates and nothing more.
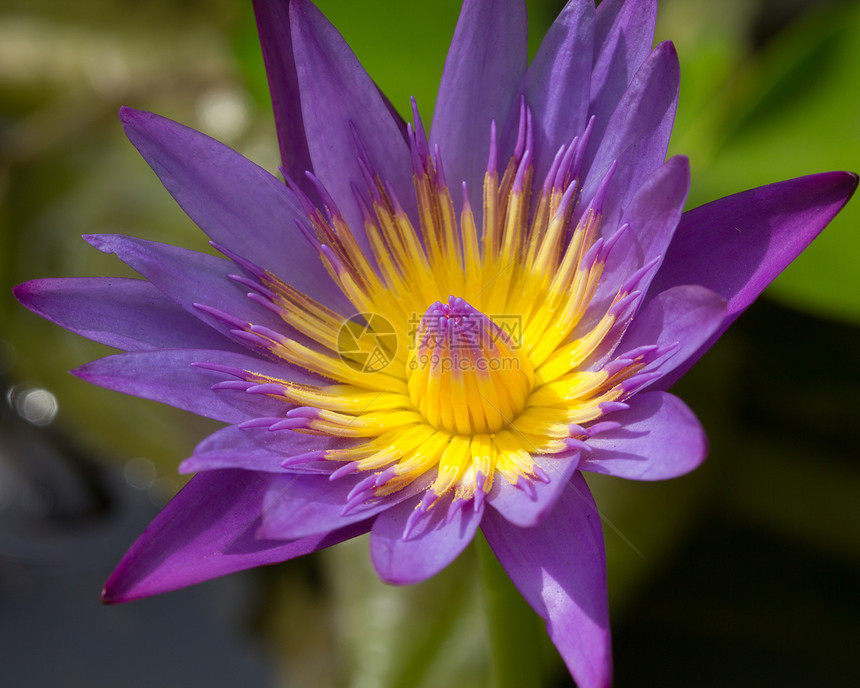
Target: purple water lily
(419, 336)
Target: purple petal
(638, 132)
(687, 315)
(738, 244)
(299, 505)
(338, 97)
(659, 438)
(623, 35)
(127, 314)
(170, 377)
(525, 508)
(189, 277)
(437, 538)
(556, 84)
(560, 568)
(255, 449)
(652, 216)
(207, 530)
(273, 25)
(238, 204)
(485, 63)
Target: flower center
(467, 374)
(521, 363)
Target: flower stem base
(513, 627)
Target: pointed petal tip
(133, 118)
(79, 372)
(100, 242)
(842, 182)
(114, 593)
(127, 113)
(23, 291)
(667, 54)
(850, 180)
(668, 48)
(682, 162)
(85, 373)
(107, 597)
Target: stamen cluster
(511, 356)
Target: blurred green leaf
(418, 636)
(791, 109)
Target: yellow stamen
(493, 364)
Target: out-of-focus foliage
(763, 100)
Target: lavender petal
(652, 216)
(338, 99)
(259, 449)
(300, 505)
(485, 63)
(438, 536)
(623, 36)
(273, 25)
(637, 136)
(686, 315)
(736, 245)
(208, 530)
(526, 509)
(659, 438)
(127, 314)
(189, 278)
(559, 566)
(171, 377)
(237, 203)
(556, 84)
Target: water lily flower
(418, 336)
